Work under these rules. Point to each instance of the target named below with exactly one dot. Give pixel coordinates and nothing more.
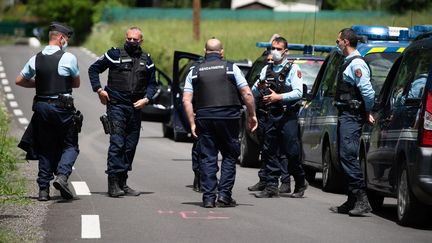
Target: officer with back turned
(213, 86)
(354, 99)
(54, 126)
(131, 85)
(277, 91)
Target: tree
(75, 13)
(402, 6)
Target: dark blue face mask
(131, 46)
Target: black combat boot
(346, 206)
(44, 194)
(197, 182)
(285, 187)
(257, 187)
(113, 186)
(60, 183)
(123, 186)
(362, 205)
(300, 187)
(268, 192)
(225, 202)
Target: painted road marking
(10, 96)
(81, 188)
(1, 68)
(23, 121)
(17, 112)
(2, 75)
(7, 89)
(90, 227)
(211, 215)
(5, 81)
(13, 104)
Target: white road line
(23, 121)
(90, 227)
(2, 75)
(10, 96)
(7, 89)
(17, 112)
(1, 68)
(13, 104)
(5, 81)
(81, 188)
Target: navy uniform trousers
(125, 132)
(213, 136)
(285, 176)
(349, 128)
(281, 138)
(57, 141)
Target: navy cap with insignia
(62, 28)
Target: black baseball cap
(62, 28)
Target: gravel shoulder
(25, 220)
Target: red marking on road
(186, 215)
(165, 212)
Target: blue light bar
(417, 30)
(307, 49)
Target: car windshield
(309, 69)
(380, 64)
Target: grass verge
(162, 37)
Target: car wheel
(249, 151)
(409, 210)
(180, 136)
(167, 131)
(309, 174)
(331, 178)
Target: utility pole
(196, 19)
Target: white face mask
(65, 44)
(277, 55)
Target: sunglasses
(277, 48)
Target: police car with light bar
(309, 63)
(396, 151)
(318, 118)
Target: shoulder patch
(358, 73)
(299, 74)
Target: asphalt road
(168, 210)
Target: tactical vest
(48, 81)
(346, 91)
(212, 86)
(129, 75)
(276, 82)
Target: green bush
(12, 187)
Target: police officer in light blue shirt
(277, 92)
(354, 99)
(54, 126)
(212, 104)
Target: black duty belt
(61, 102)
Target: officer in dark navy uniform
(131, 86)
(354, 99)
(285, 179)
(54, 127)
(211, 91)
(277, 91)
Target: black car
(168, 105)
(396, 152)
(159, 109)
(310, 65)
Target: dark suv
(310, 65)
(318, 118)
(396, 152)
